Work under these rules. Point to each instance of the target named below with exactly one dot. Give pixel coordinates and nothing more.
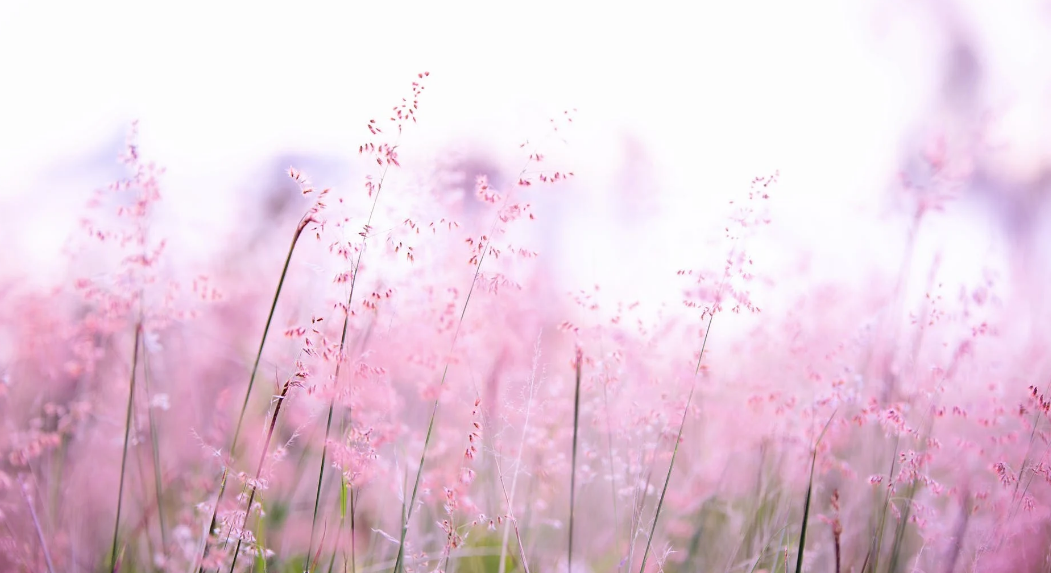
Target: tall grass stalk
(899, 534)
(321, 471)
(251, 381)
(513, 522)
(1016, 501)
(877, 546)
(510, 499)
(434, 415)
(573, 468)
(144, 527)
(675, 450)
(259, 468)
(36, 525)
(609, 426)
(155, 444)
(342, 519)
(766, 547)
(809, 492)
(445, 372)
(114, 565)
(341, 358)
(638, 505)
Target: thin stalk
(518, 464)
(838, 549)
(609, 428)
(321, 475)
(638, 505)
(573, 468)
(675, 450)
(1025, 460)
(36, 525)
(961, 530)
(877, 547)
(513, 521)
(806, 503)
(259, 467)
(342, 518)
(766, 546)
(899, 535)
(251, 380)
(339, 362)
(609, 444)
(353, 535)
(441, 385)
(124, 455)
(144, 527)
(416, 485)
(430, 424)
(155, 444)
(266, 329)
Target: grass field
(399, 381)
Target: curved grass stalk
(339, 363)
(509, 499)
(114, 565)
(251, 380)
(809, 491)
(877, 543)
(573, 468)
(259, 467)
(441, 385)
(36, 525)
(675, 450)
(155, 444)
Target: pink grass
(404, 317)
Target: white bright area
(714, 93)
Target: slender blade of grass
(877, 547)
(266, 329)
(573, 468)
(124, 456)
(251, 379)
(806, 503)
(510, 499)
(36, 525)
(259, 469)
(899, 534)
(675, 450)
(434, 410)
(339, 361)
(320, 477)
(155, 444)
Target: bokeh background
(679, 108)
(906, 149)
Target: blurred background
(903, 146)
(678, 110)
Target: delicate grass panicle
(408, 384)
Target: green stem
(573, 468)
(124, 455)
(251, 380)
(675, 450)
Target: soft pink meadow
(431, 394)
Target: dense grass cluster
(398, 380)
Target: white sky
(719, 92)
